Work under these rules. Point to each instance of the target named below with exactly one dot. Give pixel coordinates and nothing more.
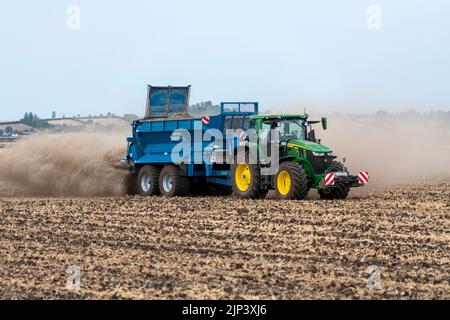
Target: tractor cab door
(167, 101)
(271, 133)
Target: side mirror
(324, 123)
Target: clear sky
(316, 53)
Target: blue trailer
(156, 167)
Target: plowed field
(213, 247)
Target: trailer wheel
(291, 181)
(173, 182)
(147, 181)
(245, 178)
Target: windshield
(288, 129)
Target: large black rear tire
(291, 182)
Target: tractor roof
(279, 116)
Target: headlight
(319, 154)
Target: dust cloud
(79, 164)
(394, 149)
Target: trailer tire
(173, 182)
(147, 181)
(291, 182)
(246, 178)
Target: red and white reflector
(329, 179)
(205, 120)
(363, 177)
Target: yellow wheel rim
(243, 176)
(283, 183)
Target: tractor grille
(319, 163)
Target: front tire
(291, 182)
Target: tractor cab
(291, 130)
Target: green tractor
(304, 163)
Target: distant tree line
(34, 121)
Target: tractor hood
(308, 145)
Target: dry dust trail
(394, 149)
(67, 164)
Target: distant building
(16, 126)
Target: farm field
(225, 248)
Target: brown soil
(197, 248)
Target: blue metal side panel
(152, 143)
(224, 181)
(154, 137)
(190, 170)
(154, 158)
(166, 125)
